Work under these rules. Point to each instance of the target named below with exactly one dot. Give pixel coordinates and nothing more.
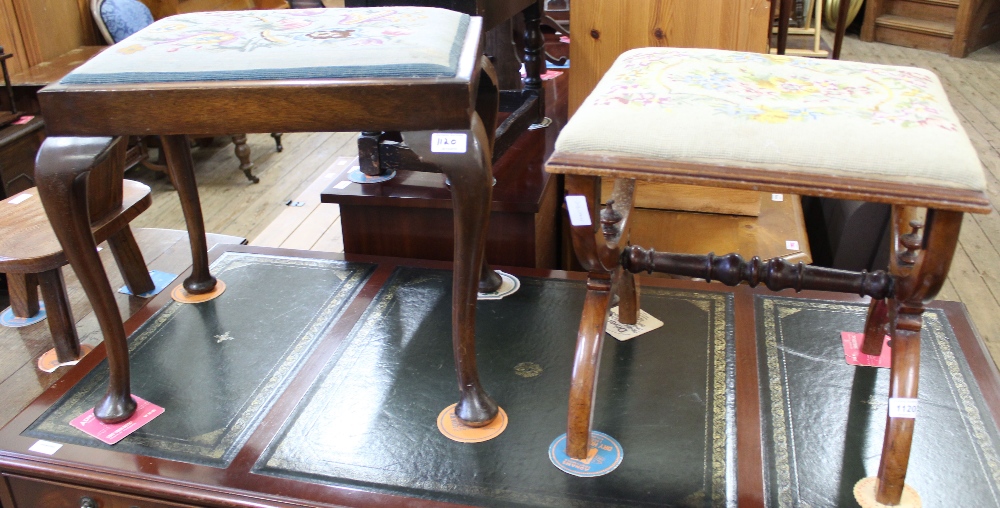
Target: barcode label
(902, 408)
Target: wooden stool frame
(416, 107)
(917, 270)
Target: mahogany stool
(31, 257)
(410, 69)
(825, 128)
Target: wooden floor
(261, 213)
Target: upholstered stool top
(746, 117)
(404, 42)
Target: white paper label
(777, 197)
(19, 199)
(579, 213)
(791, 245)
(624, 332)
(343, 185)
(447, 142)
(45, 447)
(902, 408)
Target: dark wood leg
(23, 289)
(841, 28)
(628, 298)
(920, 266)
(487, 106)
(784, 11)
(278, 147)
(586, 363)
(876, 327)
(61, 171)
(178, 153)
(243, 154)
(60, 317)
(534, 55)
(130, 261)
(471, 189)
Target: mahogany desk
(330, 410)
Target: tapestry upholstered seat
(419, 71)
(779, 124)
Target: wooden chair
(328, 71)
(30, 254)
(118, 19)
(775, 124)
(784, 12)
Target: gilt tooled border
(54, 423)
(979, 436)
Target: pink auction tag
(23, 120)
(551, 75)
(854, 356)
(111, 434)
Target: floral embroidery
(257, 29)
(773, 89)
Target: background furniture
(955, 27)
(30, 254)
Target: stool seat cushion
(391, 42)
(786, 114)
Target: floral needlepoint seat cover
(394, 42)
(768, 112)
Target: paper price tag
(579, 213)
(343, 185)
(21, 198)
(791, 245)
(902, 408)
(447, 142)
(777, 197)
(45, 447)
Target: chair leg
(586, 363)
(178, 153)
(60, 316)
(920, 266)
(61, 168)
(278, 147)
(534, 55)
(876, 327)
(130, 262)
(471, 189)
(628, 298)
(243, 154)
(23, 289)
(841, 28)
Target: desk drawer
(33, 493)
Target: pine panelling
(56, 26)
(11, 37)
(626, 24)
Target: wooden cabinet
(604, 29)
(39, 30)
(31, 492)
(164, 8)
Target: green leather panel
(370, 420)
(216, 367)
(824, 420)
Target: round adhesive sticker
(604, 456)
(8, 319)
(180, 295)
(454, 429)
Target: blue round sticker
(356, 176)
(8, 319)
(604, 456)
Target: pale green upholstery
(786, 114)
(390, 42)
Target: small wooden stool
(414, 70)
(30, 254)
(780, 124)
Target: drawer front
(33, 493)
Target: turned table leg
(243, 154)
(534, 55)
(919, 266)
(471, 188)
(61, 170)
(181, 168)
